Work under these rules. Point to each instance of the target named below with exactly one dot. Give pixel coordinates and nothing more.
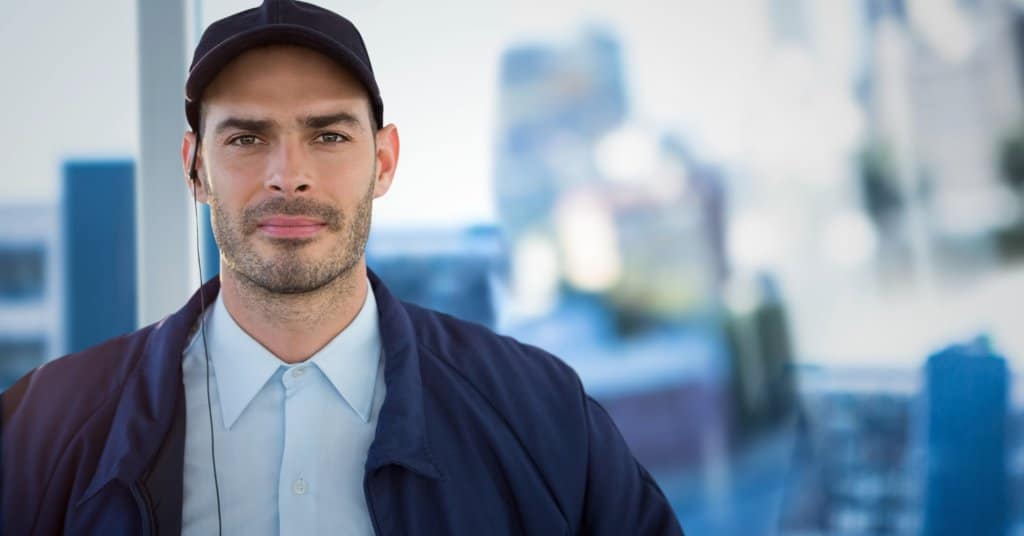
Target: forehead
(283, 79)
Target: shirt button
(298, 371)
(299, 487)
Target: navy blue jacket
(478, 434)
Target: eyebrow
(242, 123)
(263, 125)
(323, 121)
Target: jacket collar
(145, 411)
(146, 407)
(401, 436)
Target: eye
(332, 137)
(245, 139)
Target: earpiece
(192, 173)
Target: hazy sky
(70, 72)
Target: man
(294, 394)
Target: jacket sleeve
(28, 461)
(621, 497)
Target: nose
(291, 171)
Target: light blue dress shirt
(291, 440)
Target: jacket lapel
(401, 436)
(149, 399)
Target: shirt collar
(146, 406)
(243, 365)
(350, 361)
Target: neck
(294, 327)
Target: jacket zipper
(145, 510)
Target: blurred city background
(782, 241)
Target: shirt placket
(297, 487)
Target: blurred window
(22, 272)
(18, 355)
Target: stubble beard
(287, 270)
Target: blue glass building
(98, 212)
(967, 389)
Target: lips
(291, 226)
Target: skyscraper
(966, 395)
(98, 212)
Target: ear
(189, 150)
(387, 159)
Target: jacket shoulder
(55, 423)
(480, 380)
(493, 361)
(582, 461)
(68, 389)
(534, 393)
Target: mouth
(291, 226)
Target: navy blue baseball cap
(279, 22)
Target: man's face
(290, 166)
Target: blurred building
(67, 272)
(941, 87)
(762, 373)
(967, 412)
(881, 453)
(853, 468)
(706, 183)
(451, 270)
(99, 264)
(554, 106)
(1015, 463)
(31, 327)
(592, 202)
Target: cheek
(344, 183)
(229, 165)
(233, 186)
